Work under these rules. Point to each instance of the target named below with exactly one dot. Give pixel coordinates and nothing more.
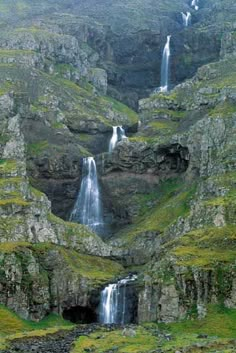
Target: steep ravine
(168, 191)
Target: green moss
(122, 108)
(10, 322)
(10, 247)
(168, 97)
(85, 137)
(14, 52)
(70, 230)
(92, 267)
(14, 201)
(38, 194)
(5, 87)
(58, 125)
(220, 322)
(159, 125)
(13, 327)
(143, 342)
(175, 115)
(172, 201)
(11, 181)
(225, 110)
(219, 325)
(63, 69)
(37, 148)
(7, 166)
(142, 139)
(96, 269)
(8, 226)
(37, 107)
(206, 247)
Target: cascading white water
(186, 18)
(122, 133)
(194, 4)
(114, 139)
(88, 207)
(113, 306)
(118, 135)
(165, 66)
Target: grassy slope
(219, 326)
(12, 326)
(170, 201)
(93, 268)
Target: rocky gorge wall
(175, 175)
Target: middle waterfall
(165, 66)
(88, 206)
(118, 135)
(186, 18)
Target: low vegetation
(216, 332)
(13, 327)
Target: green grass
(7, 166)
(220, 322)
(219, 325)
(160, 125)
(14, 201)
(10, 247)
(143, 342)
(5, 87)
(143, 139)
(206, 247)
(122, 108)
(94, 268)
(14, 52)
(225, 109)
(172, 200)
(37, 148)
(13, 327)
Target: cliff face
(168, 189)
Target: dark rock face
(140, 158)
(191, 289)
(136, 168)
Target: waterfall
(88, 207)
(165, 66)
(118, 135)
(114, 308)
(186, 18)
(194, 4)
(122, 133)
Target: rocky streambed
(59, 342)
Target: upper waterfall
(88, 206)
(165, 66)
(194, 4)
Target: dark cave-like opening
(174, 157)
(80, 315)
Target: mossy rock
(170, 201)
(206, 247)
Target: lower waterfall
(116, 306)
